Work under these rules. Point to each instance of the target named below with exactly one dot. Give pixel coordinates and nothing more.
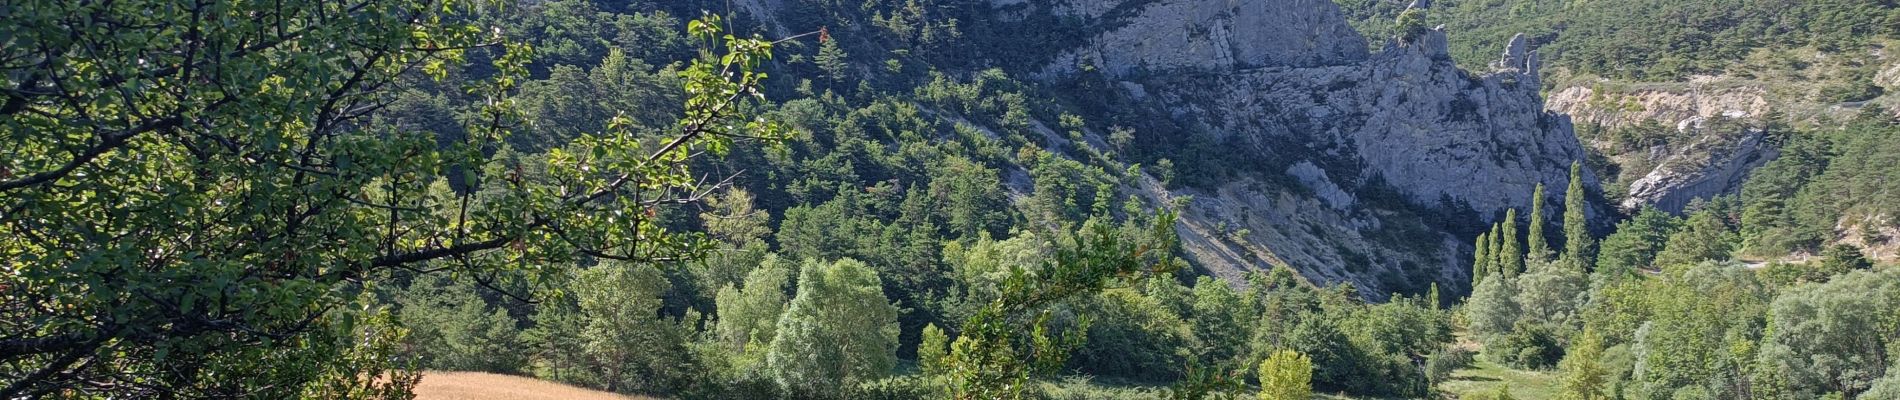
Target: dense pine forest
(897, 199)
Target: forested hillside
(903, 199)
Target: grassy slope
(1484, 377)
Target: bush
(1076, 388)
(899, 388)
(1528, 346)
(1440, 365)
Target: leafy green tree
(154, 168)
(455, 329)
(1491, 309)
(1538, 249)
(1636, 242)
(1885, 388)
(1551, 296)
(748, 316)
(1133, 337)
(1529, 345)
(1336, 363)
(1577, 242)
(1584, 375)
(733, 219)
(625, 341)
(1704, 322)
(1411, 25)
(838, 331)
(1832, 337)
(1220, 321)
(983, 268)
(1841, 259)
(1171, 294)
(242, 148)
(1008, 339)
(1704, 237)
(932, 351)
(1287, 375)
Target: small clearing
(441, 385)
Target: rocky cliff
(1146, 36)
(1344, 127)
(1370, 167)
(1717, 125)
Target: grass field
(1484, 377)
(439, 385)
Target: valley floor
(1482, 378)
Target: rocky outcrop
(1715, 160)
(1156, 36)
(1290, 80)
(1671, 105)
(1714, 165)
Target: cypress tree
(1481, 261)
(1513, 245)
(1539, 249)
(1576, 232)
(1496, 265)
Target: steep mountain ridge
(1334, 128)
(1321, 154)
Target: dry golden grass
(440, 385)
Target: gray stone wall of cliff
(1171, 35)
(1292, 78)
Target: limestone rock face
(1715, 162)
(1291, 80)
(1714, 165)
(1407, 116)
(1154, 36)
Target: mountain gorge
(1682, 113)
(961, 199)
(1346, 164)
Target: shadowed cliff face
(1148, 36)
(1289, 80)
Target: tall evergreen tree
(1636, 242)
(1496, 265)
(1481, 260)
(832, 60)
(1539, 246)
(1577, 243)
(1513, 245)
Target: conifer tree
(831, 59)
(1584, 376)
(1513, 245)
(1496, 265)
(1539, 248)
(1481, 260)
(1576, 230)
